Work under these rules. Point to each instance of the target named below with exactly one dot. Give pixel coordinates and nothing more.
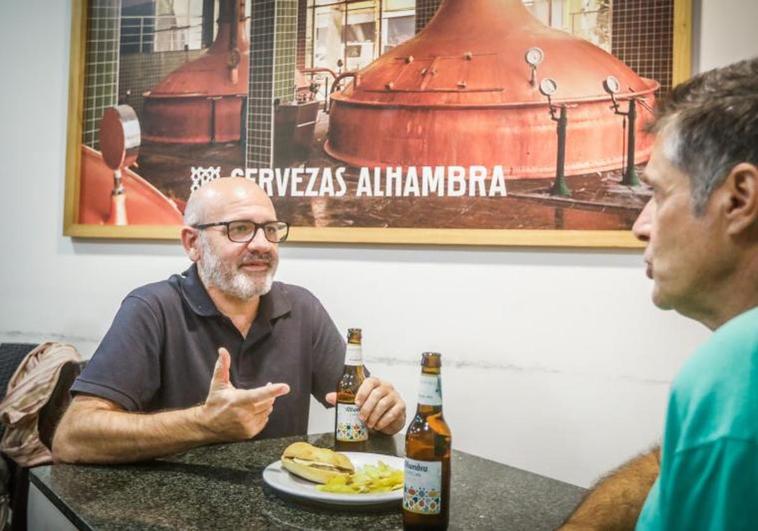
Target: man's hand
(233, 414)
(382, 408)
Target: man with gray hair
(701, 235)
(191, 360)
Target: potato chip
(369, 479)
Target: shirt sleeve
(328, 353)
(710, 486)
(125, 368)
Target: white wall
(554, 361)
(726, 32)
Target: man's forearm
(616, 501)
(92, 434)
(96, 430)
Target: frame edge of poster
(619, 239)
(608, 239)
(75, 114)
(682, 46)
(602, 239)
(132, 232)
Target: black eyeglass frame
(203, 226)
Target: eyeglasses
(243, 230)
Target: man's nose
(641, 227)
(259, 241)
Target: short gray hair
(710, 124)
(194, 210)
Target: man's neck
(715, 320)
(732, 298)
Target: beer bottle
(426, 493)
(350, 432)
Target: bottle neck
(354, 355)
(430, 393)
(428, 411)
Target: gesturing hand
(382, 407)
(233, 414)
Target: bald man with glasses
(219, 353)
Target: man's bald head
(212, 199)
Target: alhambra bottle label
(430, 390)
(423, 486)
(349, 429)
(354, 355)
(428, 445)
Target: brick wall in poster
(273, 32)
(642, 36)
(302, 30)
(101, 65)
(425, 10)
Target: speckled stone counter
(220, 487)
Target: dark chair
(11, 355)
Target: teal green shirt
(709, 461)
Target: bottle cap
(431, 359)
(354, 335)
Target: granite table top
(221, 487)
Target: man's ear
(190, 242)
(741, 185)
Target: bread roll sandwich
(315, 464)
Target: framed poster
(445, 122)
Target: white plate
(279, 479)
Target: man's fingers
(264, 406)
(221, 370)
(264, 393)
(265, 411)
(365, 389)
(236, 414)
(370, 403)
(382, 406)
(331, 398)
(393, 416)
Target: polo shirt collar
(273, 305)
(195, 294)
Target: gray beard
(229, 281)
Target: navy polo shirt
(161, 349)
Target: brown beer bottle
(426, 493)
(350, 432)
